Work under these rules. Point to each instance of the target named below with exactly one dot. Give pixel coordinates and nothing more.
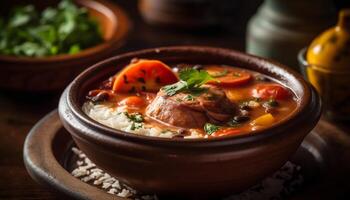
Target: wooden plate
(47, 156)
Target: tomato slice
(226, 131)
(230, 78)
(144, 75)
(271, 91)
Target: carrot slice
(226, 131)
(144, 75)
(229, 79)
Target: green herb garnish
(136, 117)
(189, 97)
(210, 128)
(191, 81)
(135, 126)
(65, 29)
(272, 103)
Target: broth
(245, 101)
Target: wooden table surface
(19, 111)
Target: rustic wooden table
(19, 112)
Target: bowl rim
(115, 13)
(298, 115)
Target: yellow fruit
(331, 50)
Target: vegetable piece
(264, 120)
(133, 101)
(226, 132)
(228, 78)
(210, 128)
(65, 29)
(144, 75)
(191, 81)
(270, 91)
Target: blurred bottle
(328, 60)
(281, 28)
(198, 14)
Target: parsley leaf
(191, 81)
(171, 90)
(194, 78)
(210, 128)
(136, 117)
(64, 29)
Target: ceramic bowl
(55, 72)
(194, 167)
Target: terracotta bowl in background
(192, 167)
(55, 72)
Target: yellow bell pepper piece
(264, 120)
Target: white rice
(280, 185)
(116, 117)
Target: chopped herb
(220, 74)
(210, 128)
(171, 90)
(272, 103)
(135, 126)
(191, 81)
(135, 117)
(64, 29)
(189, 98)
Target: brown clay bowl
(190, 167)
(55, 72)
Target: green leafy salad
(65, 29)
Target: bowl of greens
(45, 44)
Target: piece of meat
(190, 111)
